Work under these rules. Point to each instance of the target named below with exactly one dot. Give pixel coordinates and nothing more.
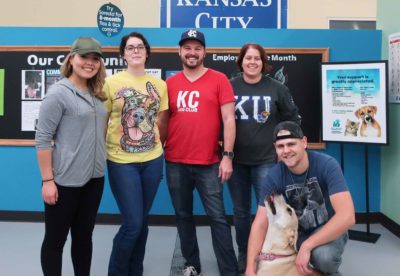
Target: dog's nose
(368, 118)
(138, 118)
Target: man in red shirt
(199, 100)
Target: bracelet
(47, 180)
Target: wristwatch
(230, 154)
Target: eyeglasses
(130, 48)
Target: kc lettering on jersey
(188, 101)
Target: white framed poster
(354, 102)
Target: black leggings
(76, 209)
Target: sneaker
(190, 271)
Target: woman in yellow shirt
(137, 106)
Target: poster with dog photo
(354, 102)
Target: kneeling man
(313, 184)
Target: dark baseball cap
(293, 128)
(86, 45)
(192, 35)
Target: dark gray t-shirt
(259, 108)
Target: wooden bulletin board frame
(300, 69)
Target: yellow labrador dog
(278, 254)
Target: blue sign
(224, 14)
(110, 20)
(170, 73)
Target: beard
(192, 64)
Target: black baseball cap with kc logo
(192, 35)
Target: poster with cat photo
(354, 102)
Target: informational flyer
(354, 102)
(155, 72)
(394, 68)
(29, 115)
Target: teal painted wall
(388, 21)
(20, 184)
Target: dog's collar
(271, 256)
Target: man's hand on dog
(303, 261)
(225, 169)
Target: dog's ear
(357, 113)
(373, 108)
(296, 235)
(152, 91)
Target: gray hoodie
(76, 122)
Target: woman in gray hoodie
(71, 154)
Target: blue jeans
(240, 183)
(134, 186)
(327, 257)
(182, 179)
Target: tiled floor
(20, 252)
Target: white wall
(315, 14)
(302, 14)
(76, 13)
(389, 22)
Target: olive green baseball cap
(86, 45)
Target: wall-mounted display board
(29, 71)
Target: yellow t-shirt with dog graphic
(133, 105)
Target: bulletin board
(27, 73)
